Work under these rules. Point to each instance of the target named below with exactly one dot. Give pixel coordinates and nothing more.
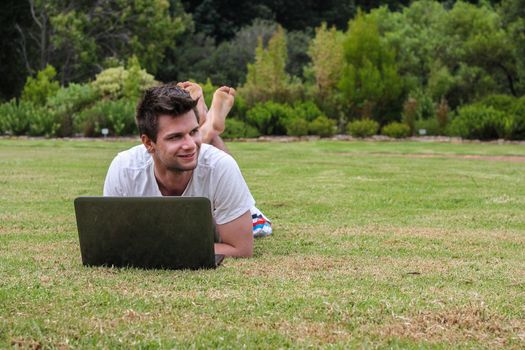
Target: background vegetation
(437, 67)
(376, 244)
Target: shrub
(297, 126)
(442, 111)
(236, 128)
(117, 82)
(410, 112)
(322, 126)
(396, 130)
(307, 110)
(270, 118)
(503, 103)
(44, 123)
(518, 124)
(66, 105)
(15, 117)
(117, 116)
(37, 90)
(431, 127)
(363, 128)
(480, 122)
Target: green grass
(375, 245)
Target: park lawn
(375, 245)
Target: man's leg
(213, 127)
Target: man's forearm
(228, 250)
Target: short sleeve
(232, 198)
(112, 184)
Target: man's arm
(236, 237)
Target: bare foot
(222, 103)
(196, 93)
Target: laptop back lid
(146, 232)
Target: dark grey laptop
(146, 232)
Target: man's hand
(236, 237)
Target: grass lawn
(375, 245)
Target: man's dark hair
(166, 99)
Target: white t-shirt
(216, 177)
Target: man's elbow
(245, 250)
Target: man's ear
(148, 143)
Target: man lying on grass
(176, 159)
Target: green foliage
(396, 130)
(15, 117)
(512, 13)
(297, 126)
(480, 122)
(45, 123)
(117, 82)
(307, 110)
(270, 118)
(86, 33)
(267, 78)
(236, 128)
(322, 126)
(504, 103)
(431, 127)
(518, 123)
(370, 75)
(298, 42)
(362, 128)
(37, 90)
(117, 116)
(410, 111)
(442, 114)
(64, 108)
(327, 56)
(133, 84)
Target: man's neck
(172, 183)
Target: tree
(512, 13)
(221, 19)
(197, 58)
(478, 51)
(370, 83)
(79, 37)
(326, 53)
(14, 16)
(267, 78)
(37, 90)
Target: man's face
(178, 142)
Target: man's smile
(188, 156)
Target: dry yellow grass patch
(458, 325)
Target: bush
(270, 118)
(44, 123)
(15, 117)
(431, 127)
(503, 103)
(518, 123)
(307, 110)
(322, 126)
(66, 105)
(480, 122)
(297, 126)
(37, 90)
(117, 82)
(117, 116)
(363, 128)
(396, 130)
(410, 113)
(238, 129)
